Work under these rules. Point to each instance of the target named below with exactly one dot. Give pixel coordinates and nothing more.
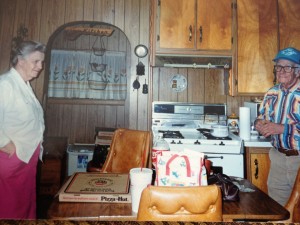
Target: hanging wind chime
(140, 51)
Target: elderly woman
(21, 132)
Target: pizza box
(96, 187)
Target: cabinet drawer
(258, 166)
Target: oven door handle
(213, 157)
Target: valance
(83, 74)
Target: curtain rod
(195, 66)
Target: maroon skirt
(18, 186)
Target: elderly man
(280, 118)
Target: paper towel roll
(245, 123)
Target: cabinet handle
(191, 33)
(256, 168)
(200, 38)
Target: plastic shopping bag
(180, 168)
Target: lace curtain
(78, 74)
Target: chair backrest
(293, 204)
(129, 149)
(202, 203)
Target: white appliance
(187, 125)
(254, 110)
(78, 156)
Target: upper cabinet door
(257, 45)
(177, 24)
(194, 25)
(289, 23)
(214, 24)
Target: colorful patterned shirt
(283, 107)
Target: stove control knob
(197, 142)
(221, 143)
(179, 142)
(173, 142)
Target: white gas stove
(188, 126)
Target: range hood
(194, 61)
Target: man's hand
(267, 128)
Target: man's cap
(290, 54)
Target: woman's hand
(10, 148)
(267, 128)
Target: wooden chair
(129, 149)
(293, 204)
(202, 203)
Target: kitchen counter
(257, 142)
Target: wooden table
(255, 205)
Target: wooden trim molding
(74, 101)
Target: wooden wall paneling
(33, 23)
(7, 10)
(234, 103)
(91, 123)
(54, 114)
(165, 92)
(122, 120)
(33, 19)
(289, 27)
(214, 87)
(183, 95)
(100, 119)
(78, 125)
(120, 14)
(74, 10)
(66, 121)
(21, 17)
(143, 99)
(132, 27)
(61, 124)
(104, 11)
(110, 113)
(196, 88)
(129, 87)
(59, 42)
(155, 82)
(88, 6)
(53, 12)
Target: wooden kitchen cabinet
(257, 45)
(192, 25)
(263, 27)
(289, 26)
(257, 166)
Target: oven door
(229, 164)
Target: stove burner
(171, 134)
(209, 136)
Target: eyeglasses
(286, 69)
